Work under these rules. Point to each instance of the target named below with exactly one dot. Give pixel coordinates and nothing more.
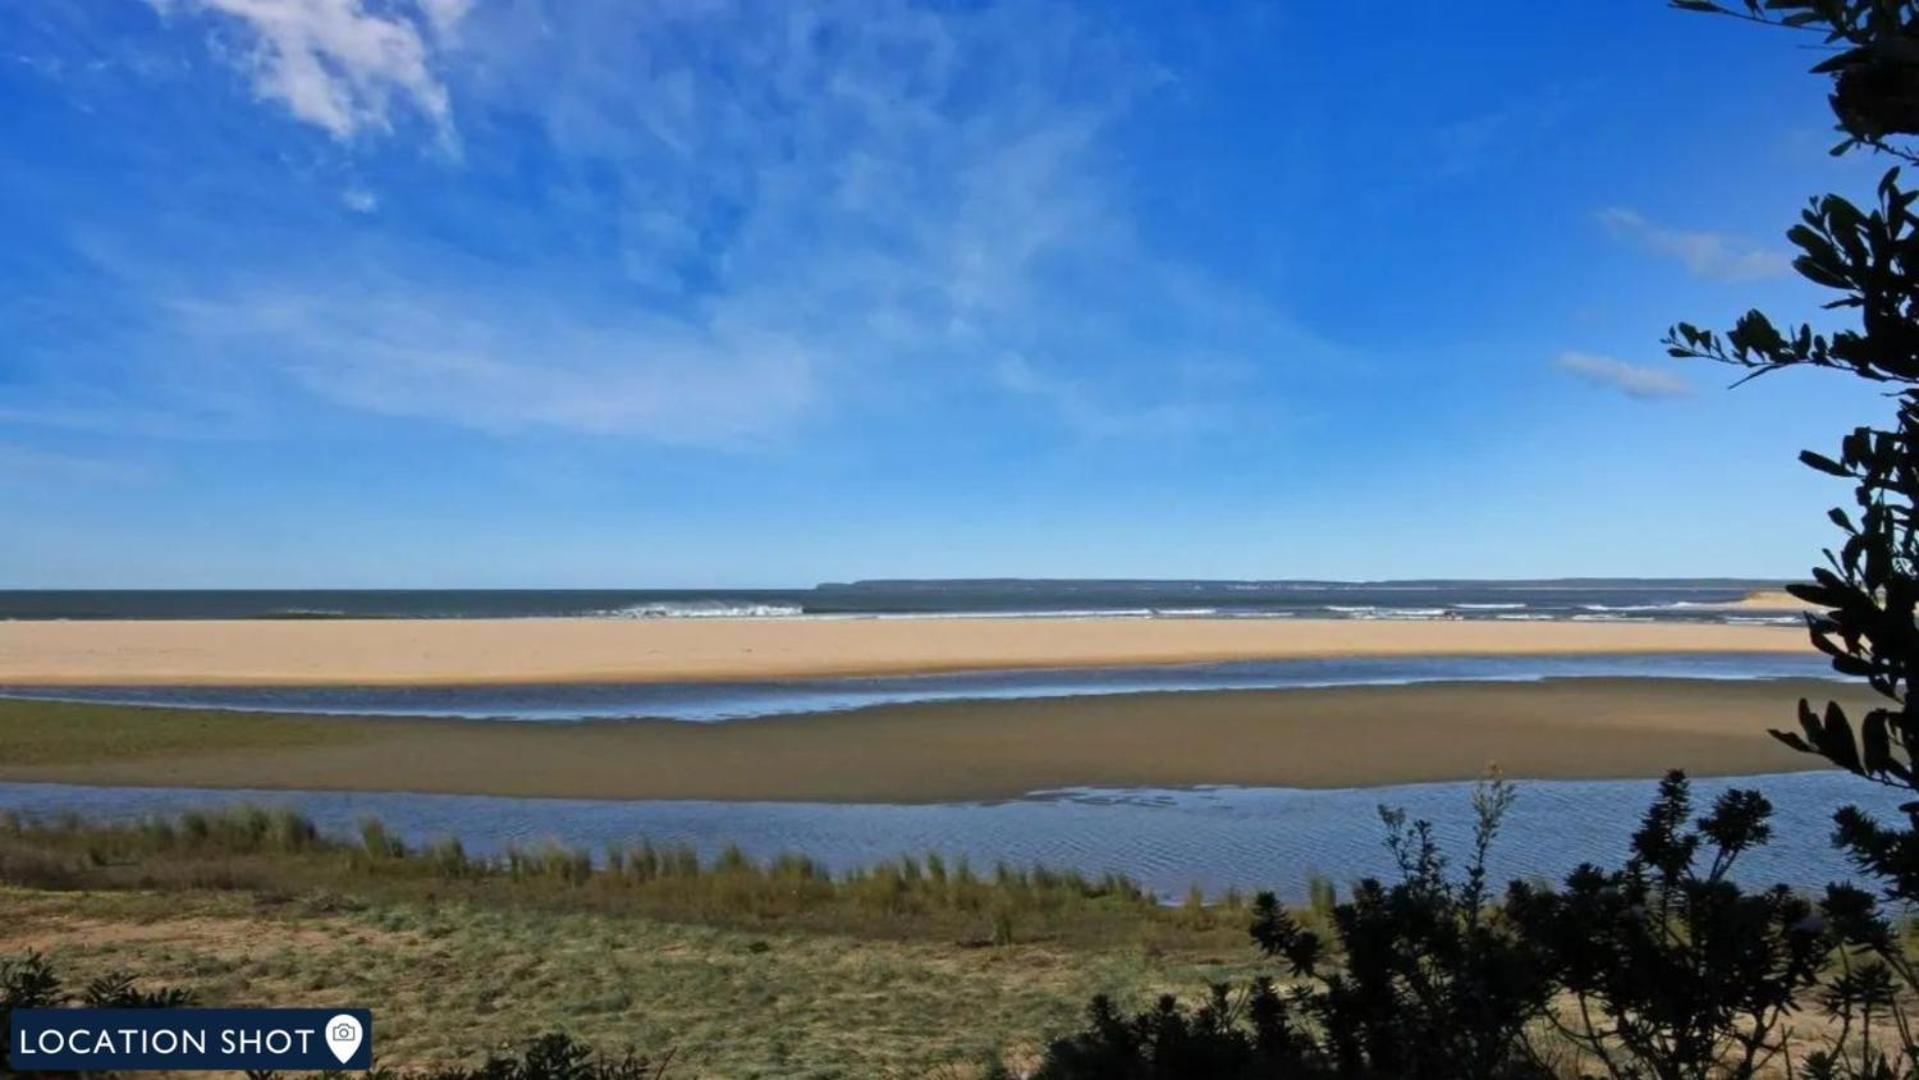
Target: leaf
(1836, 741)
(1791, 740)
(1875, 743)
(1842, 61)
(1823, 463)
(1819, 595)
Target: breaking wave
(705, 609)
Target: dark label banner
(62, 1039)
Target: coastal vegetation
(926, 897)
(924, 966)
(1663, 968)
(733, 967)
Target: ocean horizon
(1562, 599)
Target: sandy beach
(352, 651)
(1352, 736)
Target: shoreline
(390, 652)
(1590, 728)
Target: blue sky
(585, 292)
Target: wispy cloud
(766, 210)
(338, 64)
(518, 368)
(1710, 255)
(1475, 143)
(1633, 380)
(1086, 411)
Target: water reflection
(719, 701)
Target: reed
(913, 895)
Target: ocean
(1575, 599)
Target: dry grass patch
(447, 980)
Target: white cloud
(748, 215)
(360, 200)
(336, 63)
(444, 15)
(1710, 255)
(1633, 380)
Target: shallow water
(1249, 838)
(719, 701)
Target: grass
(739, 968)
(909, 898)
(447, 978)
(71, 733)
(912, 967)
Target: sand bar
(1765, 600)
(1349, 736)
(355, 651)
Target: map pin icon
(343, 1036)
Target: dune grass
(34, 733)
(913, 967)
(449, 978)
(928, 897)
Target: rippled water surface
(1169, 839)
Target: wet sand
(386, 652)
(1344, 737)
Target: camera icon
(343, 1035)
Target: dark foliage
(1673, 970)
(1427, 985)
(1252, 1035)
(1868, 259)
(557, 1056)
(553, 1056)
(1873, 67)
(1664, 968)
